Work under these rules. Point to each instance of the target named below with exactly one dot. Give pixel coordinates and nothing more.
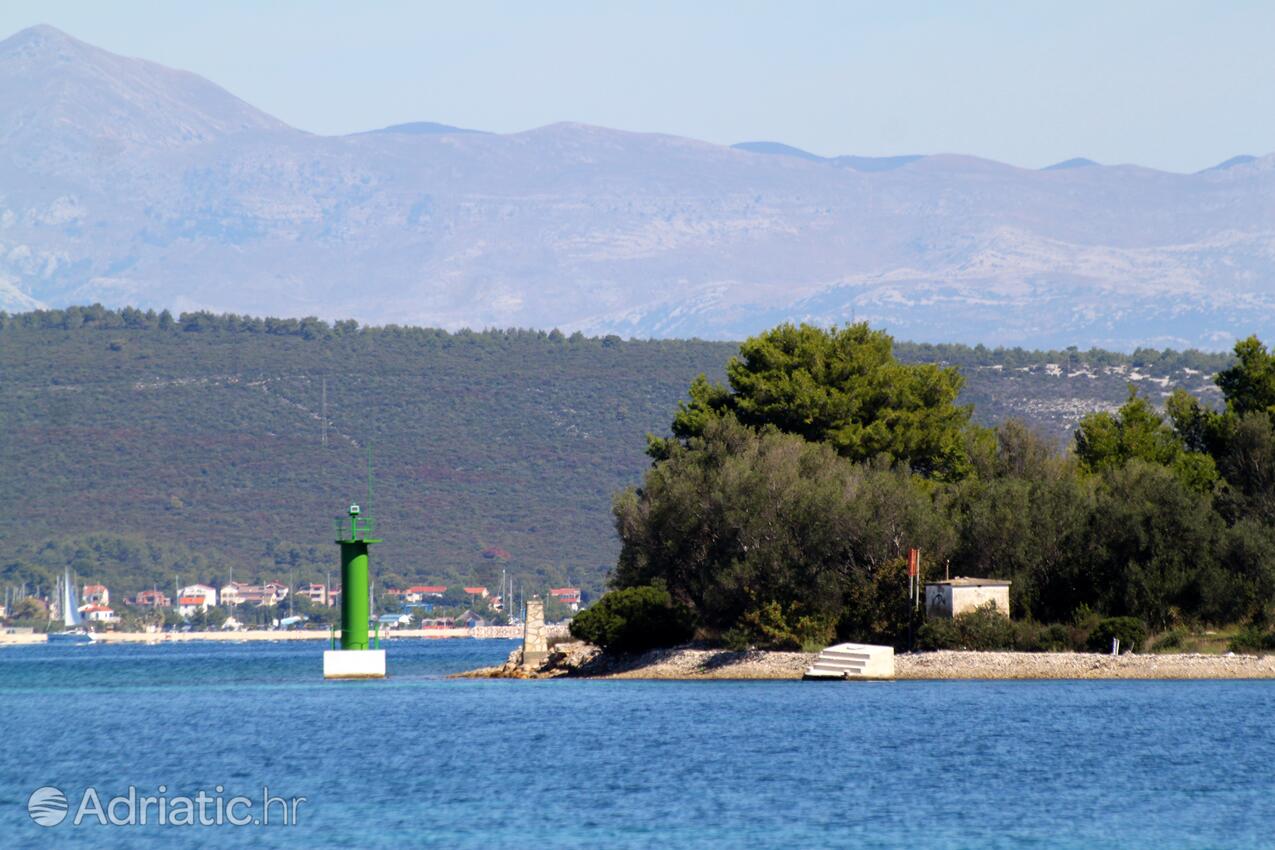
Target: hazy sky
(1175, 85)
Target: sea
(245, 745)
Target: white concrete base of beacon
(354, 664)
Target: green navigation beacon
(355, 535)
(357, 658)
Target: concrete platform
(354, 664)
(853, 661)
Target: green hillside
(134, 446)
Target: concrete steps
(853, 661)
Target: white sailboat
(75, 630)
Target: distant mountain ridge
(129, 183)
(423, 128)
(858, 163)
(1242, 159)
(1076, 162)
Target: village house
(252, 594)
(569, 596)
(239, 593)
(188, 605)
(394, 621)
(276, 590)
(230, 594)
(95, 613)
(205, 594)
(96, 594)
(480, 592)
(152, 599)
(420, 592)
(471, 620)
(960, 595)
(316, 593)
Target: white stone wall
(945, 600)
(969, 598)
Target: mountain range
(128, 183)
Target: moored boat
(75, 631)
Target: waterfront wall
(482, 632)
(16, 638)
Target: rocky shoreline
(578, 660)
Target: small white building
(99, 614)
(421, 592)
(232, 594)
(569, 596)
(195, 597)
(394, 621)
(961, 595)
(204, 592)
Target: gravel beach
(1080, 665)
(583, 661)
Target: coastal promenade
(19, 638)
(482, 632)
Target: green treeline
(955, 354)
(781, 510)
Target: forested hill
(134, 445)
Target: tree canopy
(841, 387)
(1137, 432)
(1249, 384)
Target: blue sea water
(419, 760)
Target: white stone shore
(687, 663)
(1080, 665)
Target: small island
(829, 492)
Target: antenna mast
(369, 479)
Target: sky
(1173, 85)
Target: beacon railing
(354, 528)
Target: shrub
(1130, 631)
(939, 633)
(633, 620)
(989, 629)
(770, 626)
(1253, 638)
(984, 629)
(1034, 637)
